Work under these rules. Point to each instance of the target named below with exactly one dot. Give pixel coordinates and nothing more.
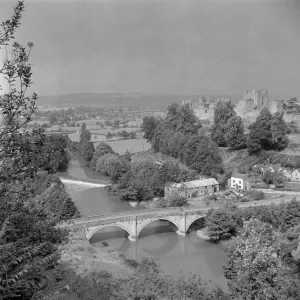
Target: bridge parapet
(133, 222)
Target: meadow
(133, 146)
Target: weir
(81, 183)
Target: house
(259, 168)
(287, 173)
(274, 168)
(296, 175)
(192, 188)
(239, 181)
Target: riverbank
(85, 259)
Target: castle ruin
(202, 106)
(248, 108)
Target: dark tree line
(178, 136)
(268, 132)
(262, 244)
(32, 202)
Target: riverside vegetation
(262, 243)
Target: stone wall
(247, 108)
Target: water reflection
(158, 239)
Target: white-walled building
(296, 175)
(239, 181)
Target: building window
(233, 180)
(240, 182)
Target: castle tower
(256, 98)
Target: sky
(220, 47)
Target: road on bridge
(146, 212)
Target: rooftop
(239, 175)
(193, 183)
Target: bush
(131, 263)
(175, 200)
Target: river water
(189, 254)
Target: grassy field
(294, 138)
(94, 137)
(294, 146)
(106, 130)
(132, 146)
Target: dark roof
(240, 175)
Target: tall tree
(279, 131)
(234, 134)
(260, 135)
(223, 111)
(101, 149)
(28, 232)
(148, 127)
(254, 269)
(207, 159)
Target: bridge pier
(180, 232)
(132, 238)
(133, 224)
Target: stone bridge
(134, 221)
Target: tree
(148, 127)
(267, 132)
(223, 111)
(124, 134)
(291, 215)
(101, 149)
(279, 131)
(29, 237)
(207, 159)
(279, 179)
(220, 224)
(268, 177)
(109, 136)
(190, 149)
(88, 151)
(53, 119)
(83, 127)
(127, 155)
(254, 269)
(132, 135)
(234, 134)
(175, 200)
(53, 155)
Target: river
(190, 254)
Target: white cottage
(296, 175)
(239, 181)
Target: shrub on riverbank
(146, 282)
(172, 200)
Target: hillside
(160, 101)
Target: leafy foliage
(101, 149)
(148, 126)
(267, 132)
(224, 115)
(31, 204)
(254, 269)
(234, 134)
(177, 136)
(221, 224)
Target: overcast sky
(163, 46)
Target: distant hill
(116, 99)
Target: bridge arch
(92, 231)
(157, 219)
(192, 220)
